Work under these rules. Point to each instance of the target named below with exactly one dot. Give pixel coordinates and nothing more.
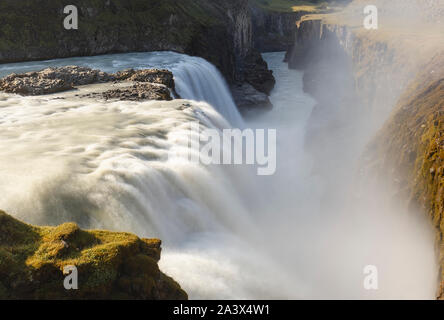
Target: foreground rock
(150, 84)
(110, 265)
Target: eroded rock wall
(274, 31)
(219, 31)
(408, 152)
(389, 78)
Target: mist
(306, 232)
(312, 230)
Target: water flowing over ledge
(227, 232)
(196, 79)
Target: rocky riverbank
(148, 84)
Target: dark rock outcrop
(307, 44)
(110, 265)
(257, 74)
(247, 98)
(273, 30)
(219, 31)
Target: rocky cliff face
(109, 265)
(135, 85)
(219, 31)
(393, 76)
(274, 31)
(409, 150)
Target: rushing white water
(196, 79)
(227, 233)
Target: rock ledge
(110, 265)
(150, 84)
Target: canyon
(359, 180)
(218, 31)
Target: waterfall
(124, 166)
(196, 79)
(227, 233)
(159, 195)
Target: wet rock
(32, 85)
(247, 97)
(160, 76)
(75, 75)
(51, 80)
(257, 74)
(138, 92)
(150, 84)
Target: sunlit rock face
(390, 78)
(108, 265)
(148, 84)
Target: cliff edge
(110, 265)
(389, 81)
(218, 31)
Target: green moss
(110, 265)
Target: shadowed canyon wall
(219, 31)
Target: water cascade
(227, 233)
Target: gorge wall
(390, 78)
(219, 31)
(274, 31)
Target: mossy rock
(110, 265)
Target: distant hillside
(297, 5)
